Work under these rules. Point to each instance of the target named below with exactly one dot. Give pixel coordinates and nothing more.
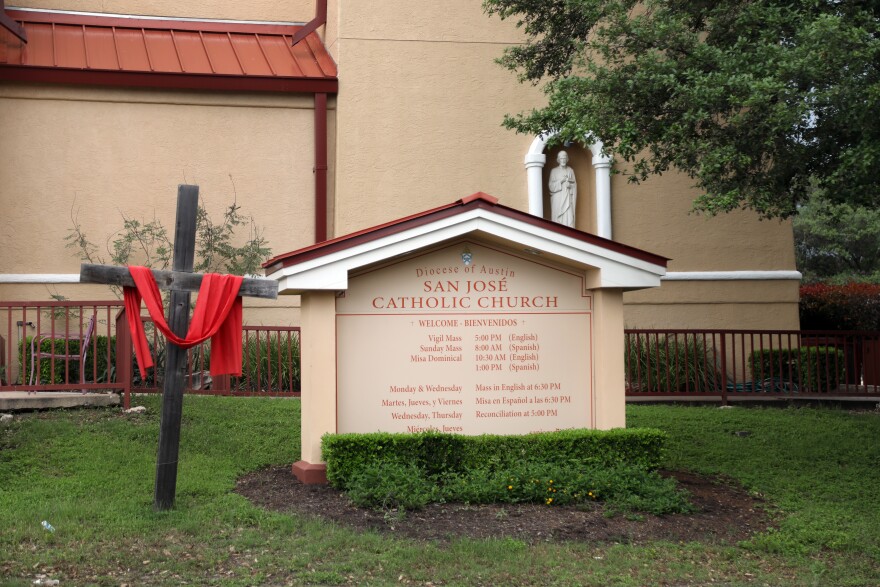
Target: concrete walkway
(11, 401)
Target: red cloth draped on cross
(217, 316)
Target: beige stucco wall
(103, 154)
(420, 108)
(747, 304)
(657, 216)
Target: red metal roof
(122, 51)
(477, 200)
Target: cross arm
(176, 280)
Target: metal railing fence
(48, 346)
(270, 364)
(731, 365)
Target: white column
(535, 179)
(602, 165)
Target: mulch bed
(725, 513)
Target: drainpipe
(320, 167)
(11, 25)
(312, 25)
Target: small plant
(391, 486)
(146, 242)
(268, 364)
(814, 368)
(448, 455)
(623, 488)
(667, 363)
(60, 371)
(383, 470)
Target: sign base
(310, 473)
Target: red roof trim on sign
(478, 200)
(113, 51)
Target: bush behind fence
(270, 363)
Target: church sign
(468, 339)
(471, 318)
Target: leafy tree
(837, 242)
(756, 101)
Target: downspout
(320, 167)
(312, 25)
(320, 130)
(11, 25)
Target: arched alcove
(597, 184)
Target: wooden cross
(181, 281)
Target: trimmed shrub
(813, 368)
(668, 363)
(392, 485)
(68, 373)
(540, 476)
(551, 484)
(854, 306)
(438, 454)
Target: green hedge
(60, 346)
(813, 368)
(438, 454)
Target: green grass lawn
(90, 473)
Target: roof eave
(329, 269)
(166, 80)
(483, 202)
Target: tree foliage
(837, 242)
(756, 101)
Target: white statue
(563, 191)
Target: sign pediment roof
(327, 265)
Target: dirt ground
(725, 513)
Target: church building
(322, 118)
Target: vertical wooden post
(123, 357)
(175, 366)
(724, 369)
